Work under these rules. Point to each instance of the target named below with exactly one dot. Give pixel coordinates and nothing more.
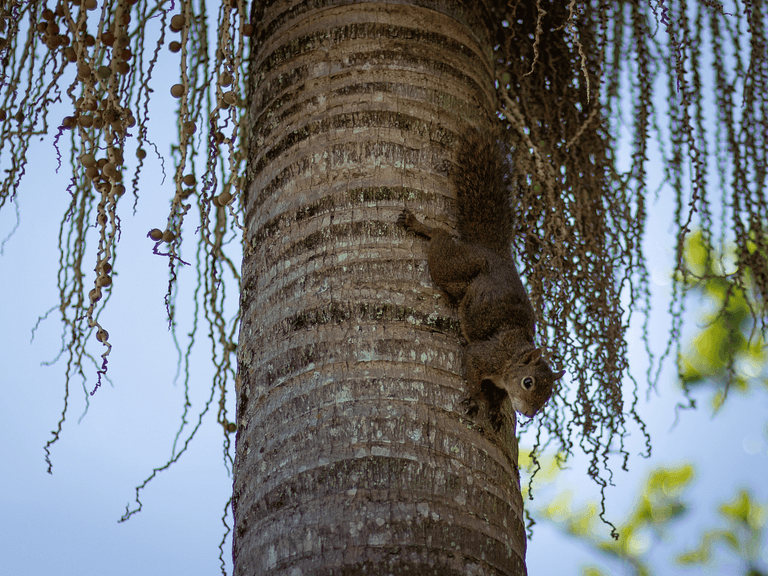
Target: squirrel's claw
(405, 218)
(471, 407)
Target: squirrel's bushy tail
(483, 192)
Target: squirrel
(477, 272)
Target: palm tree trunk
(353, 452)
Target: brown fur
(477, 271)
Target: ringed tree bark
(353, 452)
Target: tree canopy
(592, 96)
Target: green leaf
(592, 571)
(744, 510)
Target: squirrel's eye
(527, 382)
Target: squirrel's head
(529, 382)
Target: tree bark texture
(353, 452)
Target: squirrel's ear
(534, 356)
(559, 375)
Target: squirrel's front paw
(471, 406)
(476, 408)
(479, 410)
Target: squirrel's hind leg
(453, 264)
(408, 221)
